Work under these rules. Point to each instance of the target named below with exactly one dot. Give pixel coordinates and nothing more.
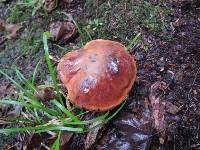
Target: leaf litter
(12, 30)
(63, 31)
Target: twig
(193, 82)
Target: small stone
(195, 92)
(139, 56)
(173, 109)
(179, 76)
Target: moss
(124, 19)
(18, 14)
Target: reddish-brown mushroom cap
(99, 76)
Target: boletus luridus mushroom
(98, 76)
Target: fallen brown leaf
(158, 109)
(62, 31)
(11, 28)
(34, 141)
(64, 141)
(57, 29)
(70, 30)
(92, 136)
(50, 5)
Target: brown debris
(46, 94)
(16, 111)
(63, 31)
(11, 28)
(92, 137)
(64, 141)
(50, 5)
(34, 141)
(57, 30)
(179, 22)
(170, 108)
(70, 30)
(6, 89)
(158, 109)
(2, 39)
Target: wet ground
(168, 52)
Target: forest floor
(167, 52)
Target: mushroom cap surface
(99, 76)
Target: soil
(168, 51)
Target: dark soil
(170, 54)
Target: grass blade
(56, 144)
(40, 128)
(26, 92)
(14, 119)
(108, 119)
(25, 81)
(46, 35)
(45, 109)
(67, 112)
(133, 41)
(13, 81)
(61, 128)
(100, 118)
(34, 72)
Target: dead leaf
(50, 5)
(92, 136)
(57, 29)
(158, 109)
(11, 28)
(65, 138)
(34, 141)
(62, 31)
(70, 30)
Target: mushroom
(99, 76)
